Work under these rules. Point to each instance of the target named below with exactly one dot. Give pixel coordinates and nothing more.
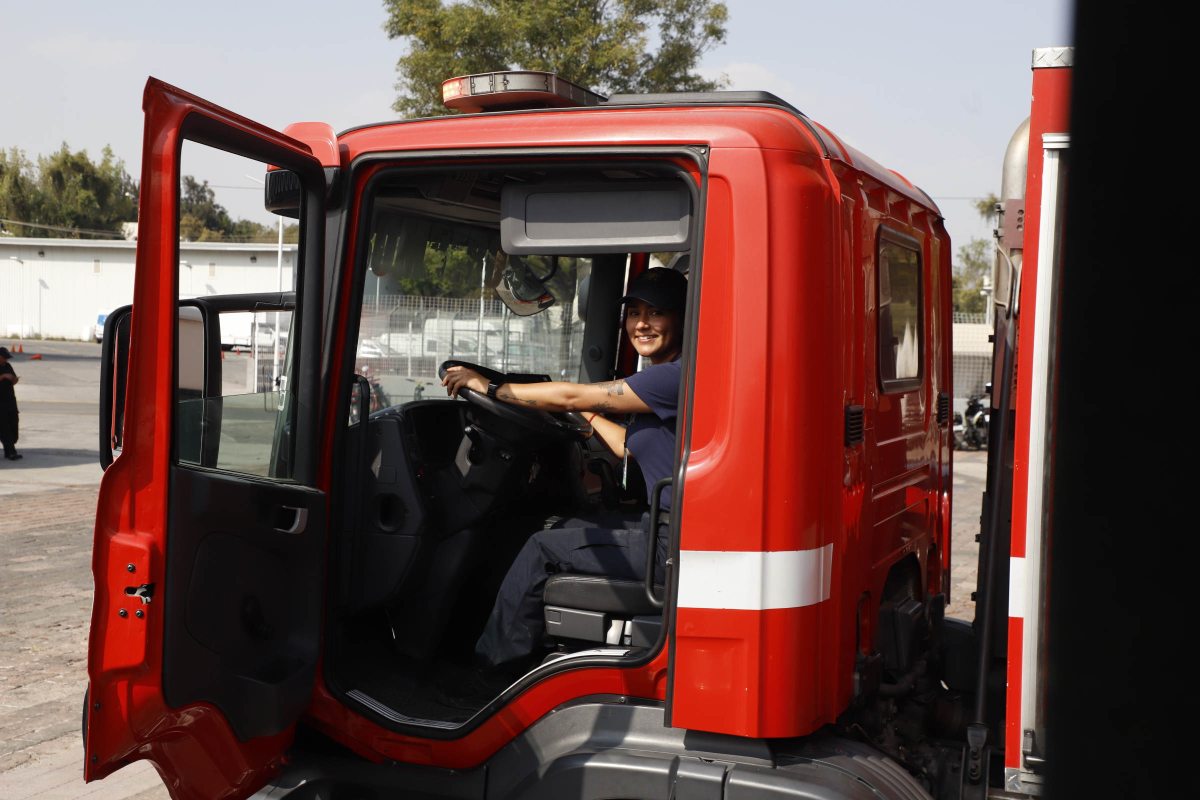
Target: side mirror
(281, 193)
(199, 371)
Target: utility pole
(21, 332)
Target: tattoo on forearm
(601, 408)
(508, 397)
(614, 388)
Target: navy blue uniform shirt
(650, 438)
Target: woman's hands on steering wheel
(471, 380)
(460, 377)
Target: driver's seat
(596, 608)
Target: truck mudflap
(604, 748)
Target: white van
(98, 328)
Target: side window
(900, 328)
(233, 422)
(233, 408)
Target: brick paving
(45, 609)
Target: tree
(77, 193)
(972, 271)
(19, 195)
(604, 45)
(65, 194)
(203, 219)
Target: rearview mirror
(522, 289)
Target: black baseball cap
(661, 287)
(4, 353)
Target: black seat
(599, 593)
(596, 608)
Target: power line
(112, 234)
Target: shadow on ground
(43, 457)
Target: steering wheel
(563, 425)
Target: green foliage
(605, 45)
(65, 194)
(203, 219)
(77, 193)
(448, 271)
(972, 271)
(19, 197)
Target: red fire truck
(288, 583)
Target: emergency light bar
(506, 91)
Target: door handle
(291, 519)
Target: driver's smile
(653, 331)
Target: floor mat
(442, 690)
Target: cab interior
(520, 271)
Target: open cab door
(210, 530)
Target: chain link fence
(404, 338)
(972, 356)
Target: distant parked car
(370, 349)
(98, 328)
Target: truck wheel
(886, 777)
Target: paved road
(47, 505)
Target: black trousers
(517, 625)
(9, 430)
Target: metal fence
(972, 356)
(404, 338)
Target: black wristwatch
(492, 387)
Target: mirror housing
(281, 193)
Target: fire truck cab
(291, 571)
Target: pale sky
(931, 88)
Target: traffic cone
(36, 357)
(20, 347)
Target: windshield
(437, 300)
(438, 284)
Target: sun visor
(580, 219)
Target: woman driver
(654, 309)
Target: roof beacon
(509, 91)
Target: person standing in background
(9, 416)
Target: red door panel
(155, 513)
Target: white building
(56, 288)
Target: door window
(233, 408)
